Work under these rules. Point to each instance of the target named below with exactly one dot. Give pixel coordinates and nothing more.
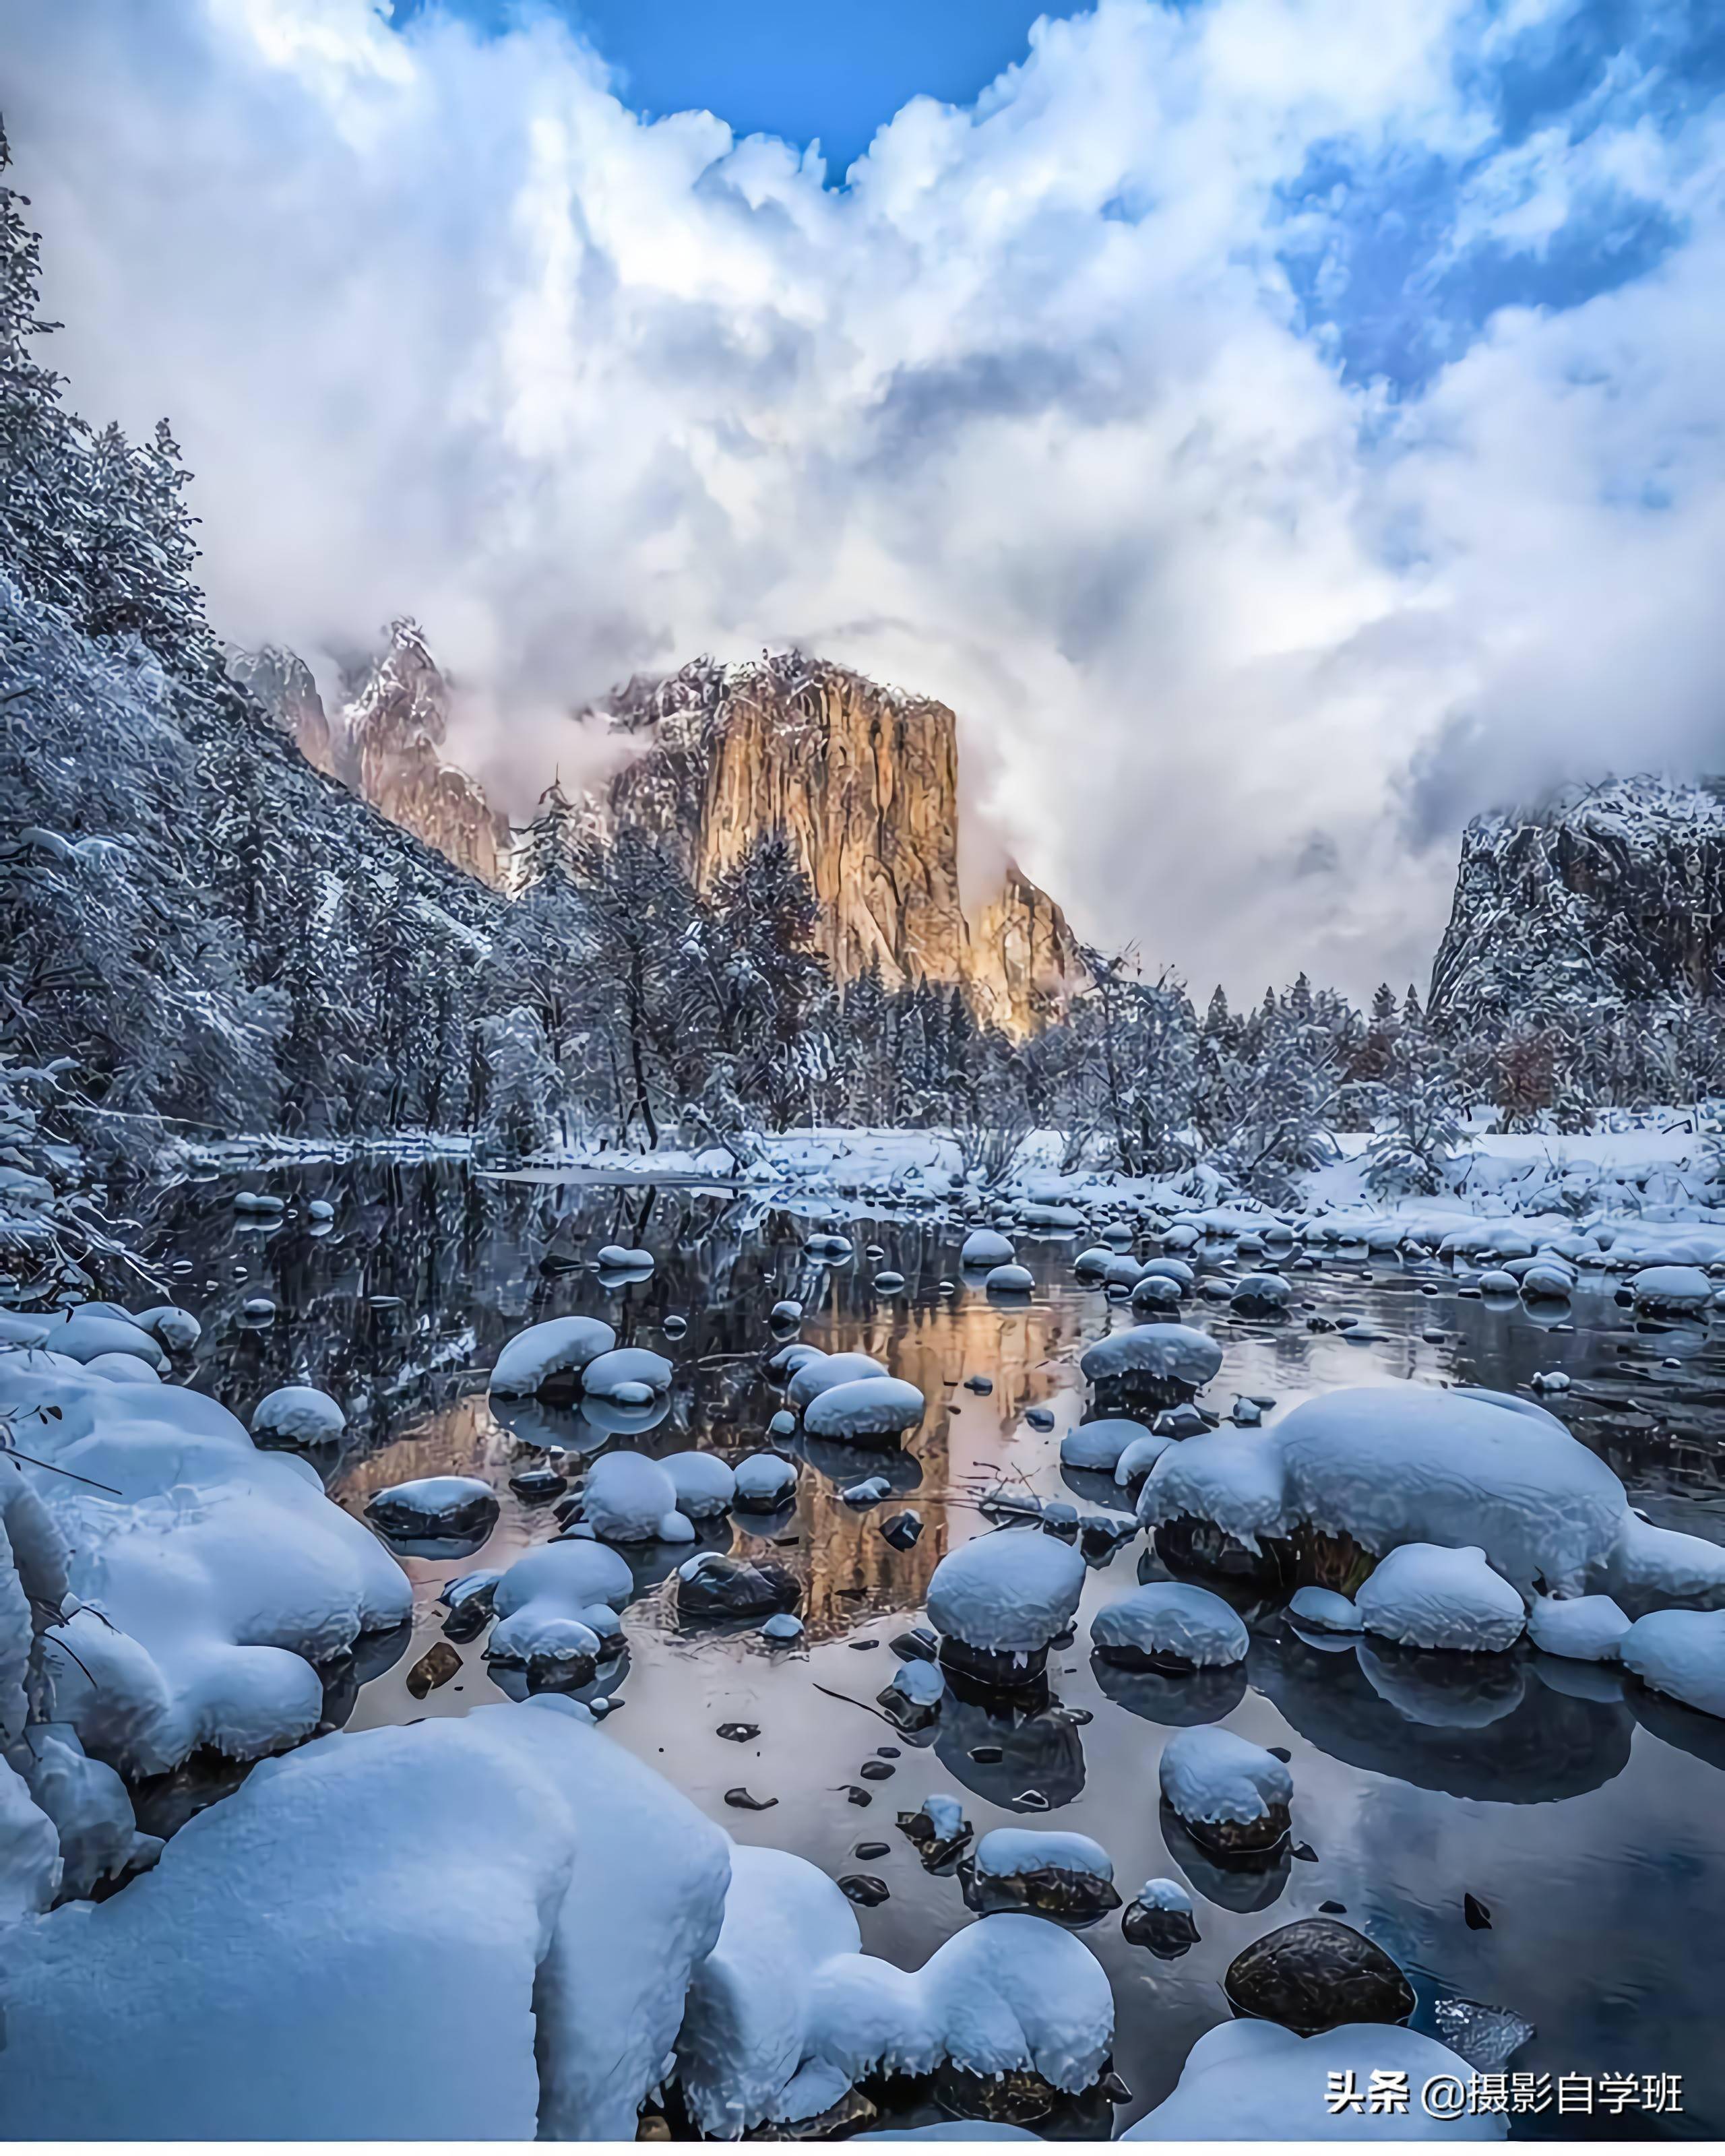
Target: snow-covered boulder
(816, 1373)
(1066, 1876)
(1680, 1653)
(1260, 1295)
(765, 1480)
(1011, 1279)
(630, 1498)
(786, 2013)
(1423, 1596)
(1672, 1290)
(864, 1410)
(1005, 1597)
(482, 1927)
(298, 1414)
(560, 1348)
(559, 1586)
(1549, 1280)
(1160, 1915)
(630, 1376)
(704, 1485)
(623, 1258)
(1097, 1445)
(1178, 1354)
(1583, 1628)
(84, 1335)
(1171, 1626)
(224, 1573)
(89, 1806)
(123, 1370)
(1155, 1293)
(1323, 1609)
(983, 1249)
(914, 1696)
(176, 1329)
(1254, 2081)
(1231, 1795)
(434, 1508)
(1139, 1457)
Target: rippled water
(1586, 1817)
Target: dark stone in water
(863, 1888)
(727, 1587)
(538, 1485)
(1279, 1752)
(888, 1752)
(468, 1519)
(741, 1800)
(1167, 1932)
(1111, 2086)
(903, 1530)
(871, 1851)
(979, 1385)
(1040, 1418)
(1302, 1852)
(935, 1851)
(994, 1670)
(856, 1796)
(1478, 1916)
(1333, 1908)
(1185, 1420)
(1071, 1897)
(1316, 1975)
(738, 1732)
(877, 1770)
(1249, 1838)
(435, 1667)
(861, 1647)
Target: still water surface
(1589, 1818)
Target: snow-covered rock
(84, 1336)
(1178, 1353)
(1260, 1295)
(1138, 1458)
(630, 1498)
(705, 1485)
(176, 1329)
(1423, 1596)
(1169, 1625)
(1671, 1289)
(864, 1410)
(560, 1347)
(557, 1586)
(224, 1573)
(92, 1812)
(1584, 1628)
(983, 1249)
(1011, 1279)
(1066, 1876)
(627, 1375)
(1010, 1593)
(765, 1480)
(1682, 1653)
(298, 1414)
(123, 1370)
(478, 1927)
(434, 1508)
(816, 1373)
(1323, 1609)
(1097, 1445)
(623, 1258)
(1214, 1779)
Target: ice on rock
(705, 1485)
(1675, 1289)
(561, 1347)
(984, 1249)
(862, 1409)
(1139, 1457)
(786, 2014)
(298, 1414)
(1098, 1445)
(561, 1584)
(1584, 1628)
(630, 1498)
(224, 1572)
(1169, 1625)
(1422, 1595)
(435, 1508)
(815, 1373)
(625, 1374)
(1255, 2080)
(478, 1927)
(1210, 1776)
(765, 1480)
(1179, 1353)
(1394, 1464)
(1680, 1653)
(1324, 1609)
(1010, 1591)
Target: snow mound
(434, 1508)
(1170, 1622)
(298, 1414)
(84, 1336)
(1323, 1608)
(983, 1249)
(1586, 1628)
(1179, 1353)
(764, 1482)
(1011, 1592)
(1011, 1279)
(815, 1373)
(1139, 1457)
(176, 1329)
(624, 1373)
(1211, 1775)
(1255, 2080)
(705, 1485)
(561, 1347)
(224, 1573)
(479, 1927)
(1424, 1596)
(1099, 1445)
(1682, 1653)
(1685, 1288)
(864, 1407)
(630, 1498)
(559, 1585)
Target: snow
(622, 1374)
(1177, 1352)
(1008, 1852)
(89, 1806)
(814, 1374)
(1259, 1294)
(560, 1345)
(983, 1249)
(562, 1584)
(705, 1485)
(1585, 1628)
(1672, 1287)
(630, 1498)
(433, 1508)
(30, 1868)
(1163, 1894)
(123, 1369)
(1139, 1457)
(1010, 1591)
(1254, 2081)
(1421, 1595)
(1099, 1445)
(224, 1571)
(1682, 1653)
(864, 1407)
(1211, 1775)
(1011, 1279)
(298, 1414)
(476, 1927)
(84, 1336)
(619, 1257)
(1169, 1618)
(176, 1329)
(1323, 1607)
(764, 1482)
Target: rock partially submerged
(297, 1415)
(1160, 1917)
(548, 1359)
(870, 1410)
(1066, 1876)
(999, 1600)
(765, 1480)
(710, 1588)
(1232, 1796)
(435, 1508)
(1421, 1595)
(1170, 1626)
(1316, 1975)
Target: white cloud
(1024, 418)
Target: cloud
(1068, 407)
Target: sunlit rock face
(865, 781)
(282, 682)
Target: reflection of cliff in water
(1487, 1728)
